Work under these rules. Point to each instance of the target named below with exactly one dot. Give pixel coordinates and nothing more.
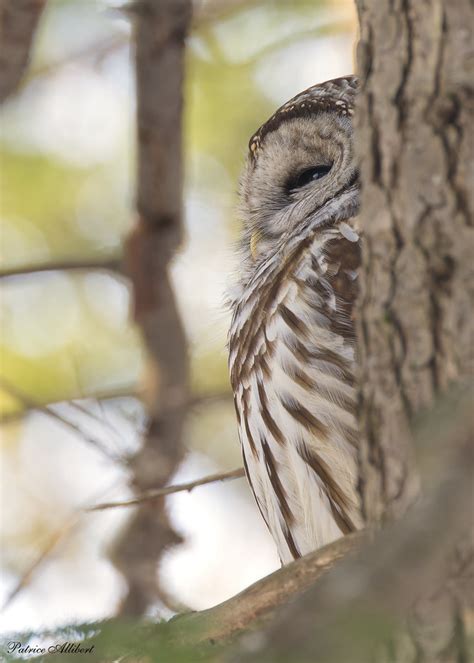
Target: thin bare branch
(70, 523)
(102, 420)
(17, 415)
(56, 538)
(30, 404)
(125, 391)
(152, 495)
(83, 265)
(205, 13)
(96, 52)
(18, 22)
(212, 398)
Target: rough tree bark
(160, 30)
(415, 333)
(416, 62)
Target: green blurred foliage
(54, 209)
(365, 636)
(67, 334)
(136, 641)
(40, 201)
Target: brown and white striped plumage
(291, 340)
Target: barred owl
(291, 340)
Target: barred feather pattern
(292, 364)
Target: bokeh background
(71, 360)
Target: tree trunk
(414, 125)
(413, 128)
(408, 597)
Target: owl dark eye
(309, 175)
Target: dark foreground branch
(199, 635)
(365, 601)
(255, 606)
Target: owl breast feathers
(291, 341)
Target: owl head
(300, 169)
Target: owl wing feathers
(298, 428)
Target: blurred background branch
(76, 363)
(160, 30)
(25, 405)
(18, 21)
(111, 264)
